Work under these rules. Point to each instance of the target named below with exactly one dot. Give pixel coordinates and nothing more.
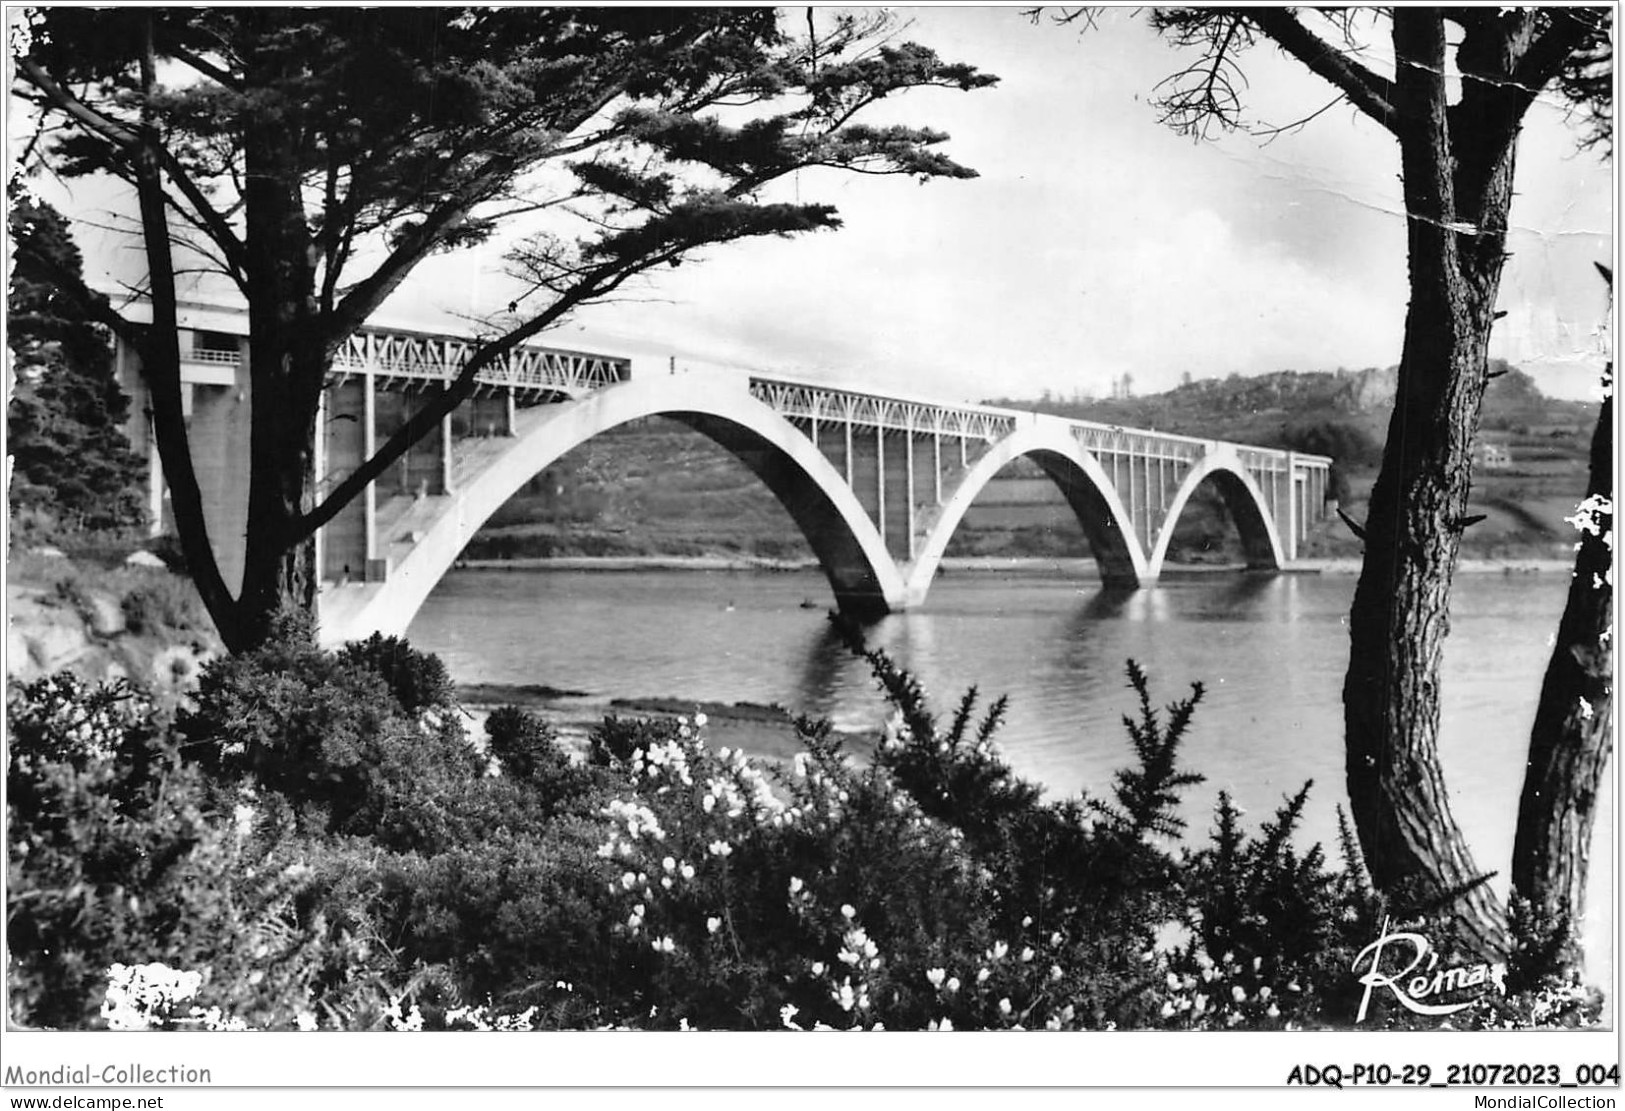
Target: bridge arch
(1260, 540)
(1080, 478)
(862, 574)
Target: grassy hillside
(657, 488)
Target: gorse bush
(119, 852)
(360, 743)
(418, 680)
(319, 842)
(528, 750)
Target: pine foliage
(65, 428)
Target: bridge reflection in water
(877, 482)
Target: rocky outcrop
(89, 635)
(1369, 390)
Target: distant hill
(657, 488)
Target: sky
(1097, 243)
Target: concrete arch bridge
(877, 483)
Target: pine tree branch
(221, 77)
(88, 118)
(1370, 93)
(1506, 62)
(208, 218)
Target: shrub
(116, 851)
(333, 853)
(528, 750)
(346, 746)
(418, 680)
(154, 602)
(741, 909)
(1094, 876)
(613, 741)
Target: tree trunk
(287, 369)
(1401, 611)
(1398, 623)
(1572, 737)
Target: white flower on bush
(139, 997)
(844, 995)
(713, 924)
(412, 1021)
(936, 976)
(639, 819)
(217, 1021)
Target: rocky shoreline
(765, 733)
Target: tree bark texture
(1572, 737)
(1401, 612)
(287, 370)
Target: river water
(1270, 651)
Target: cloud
(1094, 243)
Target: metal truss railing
(805, 401)
(414, 357)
